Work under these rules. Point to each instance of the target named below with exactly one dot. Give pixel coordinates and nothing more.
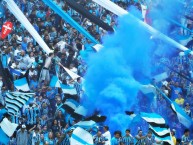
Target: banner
(6, 29)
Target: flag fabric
(81, 137)
(182, 116)
(8, 127)
(158, 127)
(153, 118)
(4, 138)
(146, 89)
(14, 101)
(6, 29)
(71, 74)
(98, 47)
(68, 90)
(180, 113)
(70, 105)
(96, 118)
(21, 84)
(85, 124)
(16, 72)
(79, 112)
(160, 77)
(55, 82)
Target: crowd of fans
(49, 124)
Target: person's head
(105, 128)
(45, 128)
(99, 133)
(37, 130)
(55, 122)
(58, 134)
(186, 132)
(149, 134)
(58, 100)
(179, 95)
(117, 134)
(41, 136)
(127, 132)
(173, 132)
(50, 135)
(140, 132)
(176, 84)
(187, 106)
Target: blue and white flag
(182, 116)
(152, 118)
(8, 127)
(81, 137)
(55, 82)
(86, 124)
(180, 113)
(161, 77)
(14, 101)
(70, 105)
(158, 127)
(22, 85)
(147, 89)
(16, 72)
(68, 90)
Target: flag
(158, 127)
(79, 112)
(14, 101)
(68, 90)
(73, 75)
(161, 77)
(55, 82)
(4, 138)
(147, 89)
(85, 124)
(98, 47)
(6, 29)
(182, 116)
(153, 118)
(22, 85)
(97, 118)
(180, 113)
(8, 127)
(70, 105)
(16, 72)
(81, 137)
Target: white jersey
(107, 135)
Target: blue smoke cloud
(110, 83)
(116, 73)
